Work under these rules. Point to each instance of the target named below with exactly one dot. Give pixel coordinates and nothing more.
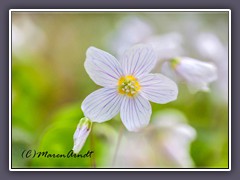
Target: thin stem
(118, 144)
(93, 160)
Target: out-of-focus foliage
(49, 83)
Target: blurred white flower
(176, 137)
(165, 143)
(83, 129)
(133, 30)
(129, 31)
(128, 86)
(26, 37)
(210, 47)
(167, 45)
(195, 73)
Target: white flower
(134, 30)
(129, 31)
(212, 48)
(196, 73)
(81, 134)
(167, 45)
(127, 86)
(176, 136)
(165, 143)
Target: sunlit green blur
(49, 83)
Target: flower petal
(102, 105)
(138, 60)
(195, 70)
(198, 74)
(135, 112)
(158, 88)
(102, 67)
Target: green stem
(118, 144)
(93, 160)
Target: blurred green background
(49, 83)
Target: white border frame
(120, 10)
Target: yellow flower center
(128, 85)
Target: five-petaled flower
(128, 86)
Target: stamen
(128, 85)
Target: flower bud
(83, 129)
(197, 74)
